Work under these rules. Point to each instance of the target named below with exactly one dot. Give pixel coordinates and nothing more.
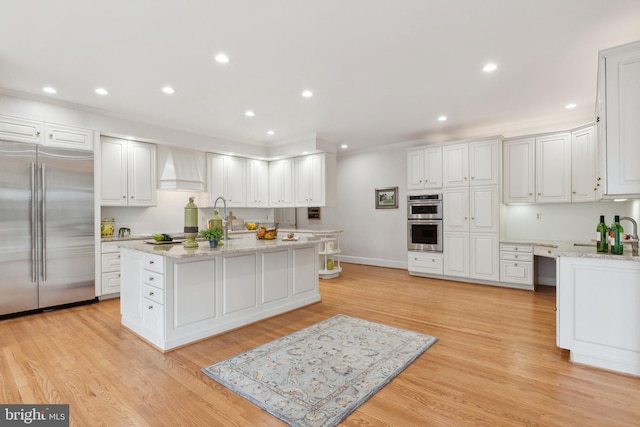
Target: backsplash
(168, 216)
(563, 221)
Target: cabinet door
(20, 130)
(553, 168)
(303, 181)
(234, 179)
(584, 164)
(433, 167)
(257, 183)
(455, 165)
(415, 169)
(317, 180)
(215, 178)
(455, 210)
(484, 255)
(622, 100)
(281, 183)
(113, 164)
(456, 254)
(68, 137)
(519, 171)
(483, 163)
(484, 209)
(142, 174)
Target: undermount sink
(592, 245)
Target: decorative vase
(191, 224)
(106, 227)
(213, 243)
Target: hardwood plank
(495, 364)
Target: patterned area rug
(319, 375)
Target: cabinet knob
(124, 197)
(515, 249)
(50, 136)
(150, 307)
(516, 264)
(151, 262)
(599, 178)
(472, 178)
(515, 256)
(595, 189)
(539, 194)
(151, 294)
(132, 197)
(465, 178)
(426, 180)
(151, 279)
(38, 133)
(473, 218)
(531, 194)
(573, 192)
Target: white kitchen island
(172, 296)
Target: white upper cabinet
(20, 130)
(128, 173)
(455, 165)
(585, 179)
(68, 137)
(484, 168)
(471, 164)
(281, 183)
(310, 180)
(226, 178)
(257, 183)
(519, 170)
(621, 97)
(424, 168)
(553, 168)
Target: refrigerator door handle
(44, 222)
(34, 251)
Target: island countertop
(177, 250)
(580, 249)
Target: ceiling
(381, 71)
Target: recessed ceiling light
(307, 94)
(249, 113)
(570, 106)
(231, 153)
(168, 90)
(222, 58)
(305, 152)
(442, 118)
(489, 67)
(101, 91)
(271, 132)
(49, 89)
(344, 146)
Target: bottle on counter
(602, 236)
(616, 236)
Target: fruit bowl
(251, 225)
(266, 233)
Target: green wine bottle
(602, 236)
(616, 244)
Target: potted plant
(213, 234)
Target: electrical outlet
(538, 216)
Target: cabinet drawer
(153, 263)
(154, 294)
(153, 317)
(110, 283)
(516, 272)
(515, 248)
(111, 262)
(107, 247)
(545, 251)
(152, 278)
(516, 256)
(426, 264)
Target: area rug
(319, 375)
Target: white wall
(371, 236)
(563, 221)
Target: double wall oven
(424, 223)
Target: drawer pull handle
(151, 294)
(151, 279)
(150, 307)
(151, 262)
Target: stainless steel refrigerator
(47, 246)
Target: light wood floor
(496, 363)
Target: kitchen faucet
(634, 236)
(224, 218)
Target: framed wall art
(387, 198)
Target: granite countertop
(568, 249)
(177, 250)
(230, 233)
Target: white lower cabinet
(483, 257)
(516, 264)
(110, 268)
(597, 312)
(171, 302)
(425, 263)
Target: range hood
(181, 169)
